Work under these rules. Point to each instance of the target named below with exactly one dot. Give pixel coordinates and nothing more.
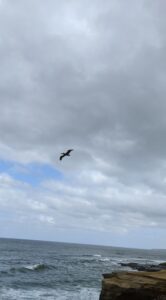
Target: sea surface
(61, 271)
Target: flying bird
(67, 153)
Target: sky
(89, 76)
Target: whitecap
(105, 259)
(97, 255)
(36, 267)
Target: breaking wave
(35, 267)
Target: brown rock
(134, 286)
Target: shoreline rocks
(147, 284)
(134, 285)
(145, 267)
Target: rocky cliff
(134, 286)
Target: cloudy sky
(90, 76)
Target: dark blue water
(48, 270)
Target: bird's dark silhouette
(67, 153)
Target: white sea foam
(97, 255)
(105, 259)
(36, 267)
(157, 261)
(50, 294)
(100, 258)
(32, 267)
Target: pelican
(67, 153)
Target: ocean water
(61, 271)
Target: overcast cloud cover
(87, 75)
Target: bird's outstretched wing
(68, 151)
(61, 156)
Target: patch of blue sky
(33, 173)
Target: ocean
(61, 271)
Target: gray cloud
(91, 77)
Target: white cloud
(113, 207)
